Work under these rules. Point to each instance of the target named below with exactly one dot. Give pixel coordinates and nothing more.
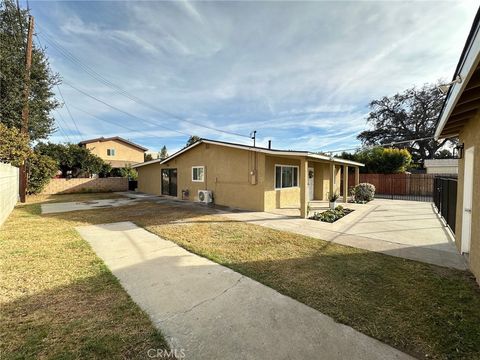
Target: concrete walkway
(85, 205)
(212, 312)
(407, 229)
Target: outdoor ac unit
(205, 196)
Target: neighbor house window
(286, 176)
(198, 173)
(110, 152)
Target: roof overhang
(463, 99)
(113, 138)
(273, 152)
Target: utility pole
(26, 94)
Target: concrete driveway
(407, 229)
(207, 311)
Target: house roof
(463, 99)
(118, 138)
(256, 149)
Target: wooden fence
(400, 186)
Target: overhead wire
(100, 78)
(123, 111)
(69, 113)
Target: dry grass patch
(425, 310)
(58, 299)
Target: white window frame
(203, 173)
(111, 152)
(281, 182)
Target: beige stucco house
(118, 152)
(461, 117)
(246, 177)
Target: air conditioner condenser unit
(205, 196)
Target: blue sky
(300, 73)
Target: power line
(100, 78)
(61, 118)
(69, 113)
(384, 144)
(122, 111)
(112, 122)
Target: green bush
(331, 216)
(41, 168)
(379, 160)
(364, 192)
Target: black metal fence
(445, 198)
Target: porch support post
(332, 179)
(357, 175)
(303, 178)
(345, 183)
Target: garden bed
(330, 215)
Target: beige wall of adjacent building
(123, 151)
(470, 136)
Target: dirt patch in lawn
(425, 310)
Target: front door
(311, 181)
(467, 201)
(169, 182)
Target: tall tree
(409, 115)
(13, 34)
(192, 139)
(163, 153)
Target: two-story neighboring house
(115, 150)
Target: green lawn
(58, 299)
(424, 310)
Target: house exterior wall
(123, 151)
(150, 179)
(227, 175)
(470, 136)
(279, 198)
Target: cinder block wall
(82, 185)
(9, 176)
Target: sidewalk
(212, 312)
(406, 229)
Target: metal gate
(445, 198)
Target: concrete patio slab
(406, 229)
(85, 205)
(212, 312)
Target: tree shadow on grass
(93, 318)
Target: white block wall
(9, 181)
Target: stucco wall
(470, 136)
(227, 175)
(149, 179)
(279, 198)
(123, 151)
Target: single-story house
(460, 117)
(246, 177)
(117, 151)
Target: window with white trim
(198, 173)
(286, 176)
(110, 152)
